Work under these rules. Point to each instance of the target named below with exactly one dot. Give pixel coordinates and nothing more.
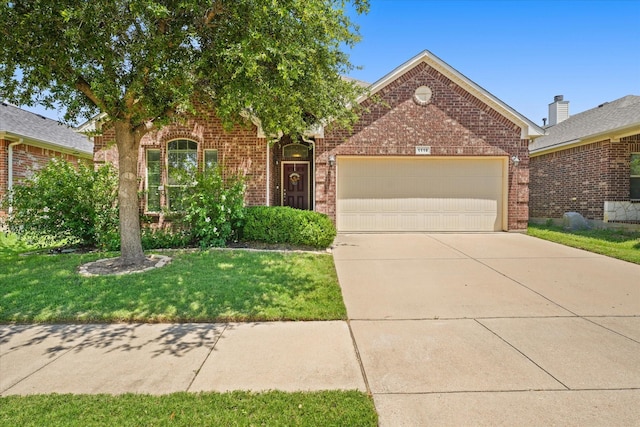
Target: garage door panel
(393, 194)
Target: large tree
(146, 62)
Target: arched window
(295, 151)
(182, 165)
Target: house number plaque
(424, 150)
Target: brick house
(588, 163)
(28, 141)
(439, 153)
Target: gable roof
(529, 129)
(38, 130)
(614, 119)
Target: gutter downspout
(10, 170)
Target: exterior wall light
(515, 160)
(332, 160)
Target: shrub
(63, 202)
(165, 238)
(151, 238)
(281, 224)
(214, 208)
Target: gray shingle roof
(22, 123)
(610, 117)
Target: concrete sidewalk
(166, 358)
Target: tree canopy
(145, 62)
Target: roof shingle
(29, 125)
(609, 117)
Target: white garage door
(420, 194)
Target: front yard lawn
(327, 408)
(621, 244)
(201, 286)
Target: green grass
(202, 286)
(330, 408)
(621, 244)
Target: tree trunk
(128, 146)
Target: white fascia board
(92, 124)
(316, 131)
(529, 130)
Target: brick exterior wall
(26, 160)
(454, 123)
(580, 179)
(4, 169)
(239, 151)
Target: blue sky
(523, 52)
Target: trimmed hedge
(282, 224)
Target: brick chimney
(558, 110)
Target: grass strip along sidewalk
(200, 286)
(620, 244)
(330, 408)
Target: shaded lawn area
(329, 408)
(620, 244)
(202, 286)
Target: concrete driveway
(492, 329)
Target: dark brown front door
(295, 184)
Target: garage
(383, 194)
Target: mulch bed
(114, 266)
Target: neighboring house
(439, 153)
(588, 163)
(28, 141)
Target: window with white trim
(153, 180)
(182, 166)
(635, 176)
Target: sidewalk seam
(39, 369)
(197, 372)
(359, 359)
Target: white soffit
(529, 129)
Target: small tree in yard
(144, 62)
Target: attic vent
(422, 95)
(602, 105)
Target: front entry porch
(293, 168)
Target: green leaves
(65, 203)
(146, 60)
(214, 207)
(282, 224)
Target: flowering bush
(214, 207)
